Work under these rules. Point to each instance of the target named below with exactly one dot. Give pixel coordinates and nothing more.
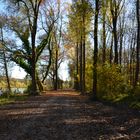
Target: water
(16, 90)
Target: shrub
(110, 81)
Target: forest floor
(65, 115)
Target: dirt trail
(66, 116)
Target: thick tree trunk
(39, 83)
(33, 42)
(34, 83)
(95, 57)
(33, 29)
(34, 87)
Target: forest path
(66, 116)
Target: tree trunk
(95, 57)
(104, 35)
(111, 51)
(120, 51)
(76, 84)
(121, 36)
(115, 41)
(56, 69)
(84, 50)
(131, 60)
(34, 83)
(7, 75)
(48, 67)
(81, 64)
(84, 65)
(5, 66)
(138, 43)
(121, 42)
(33, 41)
(39, 83)
(33, 29)
(114, 12)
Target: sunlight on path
(62, 92)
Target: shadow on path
(66, 116)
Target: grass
(12, 99)
(4, 100)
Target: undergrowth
(12, 98)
